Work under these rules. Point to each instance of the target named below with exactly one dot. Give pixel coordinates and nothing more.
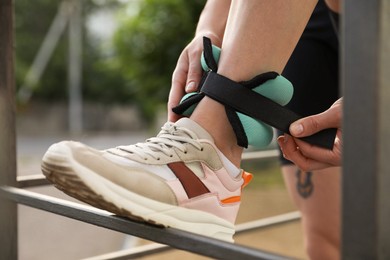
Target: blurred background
(99, 71)
(124, 53)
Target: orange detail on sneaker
(233, 199)
(247, 177)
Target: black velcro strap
(208, 54)
(235, 122)
(186, 104)
(248, 102)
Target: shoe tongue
(194, 127)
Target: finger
(306, 126)
(318, 154)
(332, 157)
(292, 153)
(194, 72)
(175, 96)
(179, 78)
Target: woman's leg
(313, 70)
(320, 210)
(259, 37)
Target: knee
(322, 245)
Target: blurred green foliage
(137, 69)
(149, 43)
(266, 173)
(32, 21)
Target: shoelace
(170, 136)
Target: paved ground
(46, 236)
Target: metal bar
(267, 222)
(74, 68)
(8, 209)
(384, 133)
(267, 154)
(26, 181)
(366, 133)
(148, 250)
(175, 238)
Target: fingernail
(296, 129)
(280, 140)
(190, 87)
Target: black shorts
(313, 67)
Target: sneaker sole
(79, 182)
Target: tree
(149, 43)
(146, 47)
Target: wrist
(215, 38)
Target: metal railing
(175, 238)
(366, 174)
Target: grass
(267, 173)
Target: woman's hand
(188, 72)
(309, 157)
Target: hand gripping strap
(248, 102)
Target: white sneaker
(178, 179)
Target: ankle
(232, 152)
(205, 115)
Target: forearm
(213, 18)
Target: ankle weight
(252, 106)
